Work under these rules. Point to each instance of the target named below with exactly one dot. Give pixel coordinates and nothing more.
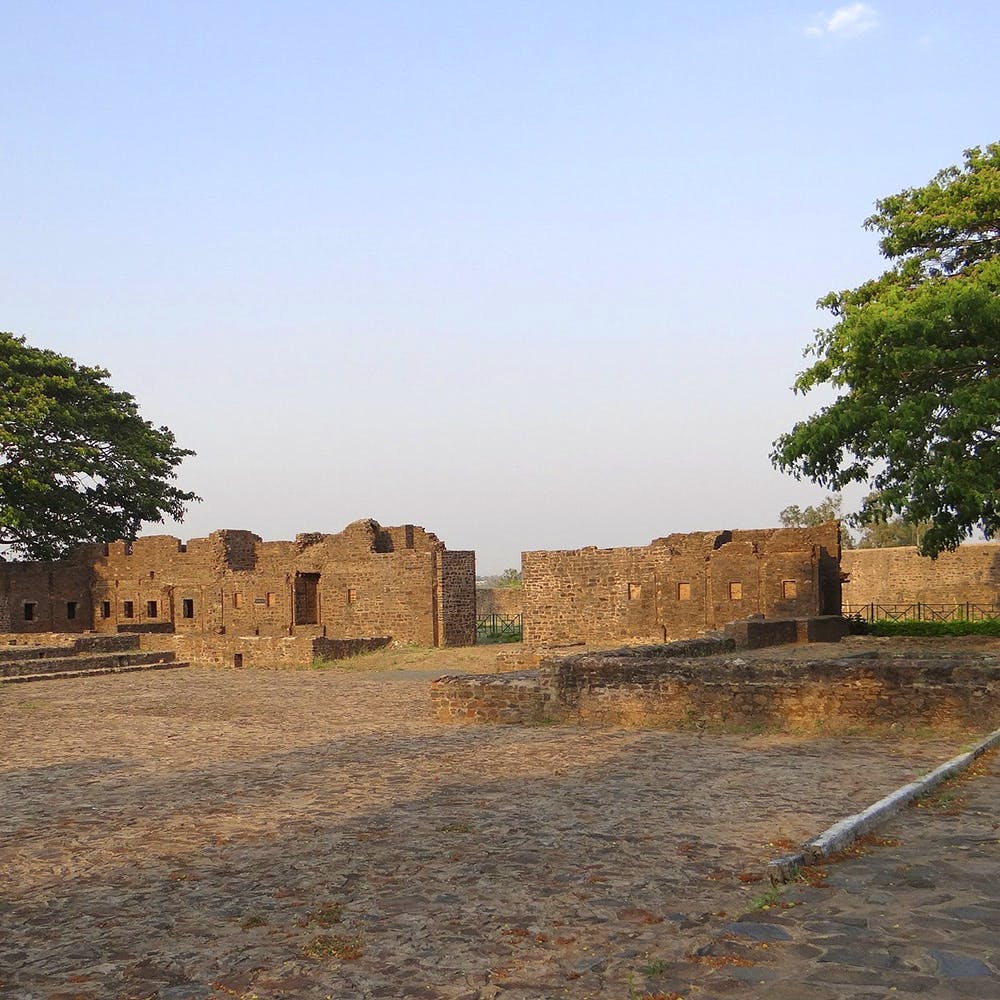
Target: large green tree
(77, 461)
(914, 359)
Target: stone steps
(87, 656)
(94, 672)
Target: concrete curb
(846, 831)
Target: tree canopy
(510, 578)
(77, 461)
(914, 358)
(795, 516)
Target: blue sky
(533, 275)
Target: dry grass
(449, 660)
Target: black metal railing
(499, 628)
(921, 611)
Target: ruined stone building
(679, 586)
(367, 581)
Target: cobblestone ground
(210, 834)
(916, 914)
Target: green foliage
(795, 516)
(508, 578)
(989, 626)
(891, 534)
(77, 461)
(914, 357)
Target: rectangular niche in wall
(684, 592)
(736, 592)
(789, 589)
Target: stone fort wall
(366, 581)
(902, 576)
(507, 601)
(680, 586)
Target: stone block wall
(653, 686)
(39, 597)
(902, 576)
(456, 599)
(507, 601)
(681, 585)
(258, 650)
(363, 582)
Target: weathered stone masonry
(902, 576)
(679, 586)
(365, 582)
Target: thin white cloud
(849, 21)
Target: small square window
(736, 592)
(187, 608)
(128, 609)
(789, 589)
(105, 609)
(634, 591)
(29, 611)
(684, 592)
(70, 610)
(150, 609)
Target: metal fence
(499, 628)
(922, 612)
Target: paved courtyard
(314, 834)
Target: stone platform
(708, 683)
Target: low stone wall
(510, 697)
(259, 650)
(655, 686)
(64, 639)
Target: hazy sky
(530, 274)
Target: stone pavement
(912, 911)
(215, 834)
